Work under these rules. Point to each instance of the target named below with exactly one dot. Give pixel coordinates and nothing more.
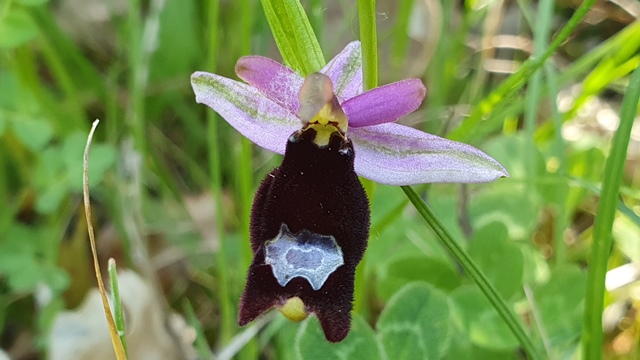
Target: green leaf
(462, 348)
(408, 269)
(22, 263)
(481, 320)
(294, 35)
(359, 344)
(102, 157)
(509, 151)
(416, 323)
(500, 260)
(50, 180)
(16, 28)
(59, 169)
(50, 198)
(502, 203)
(468, 350)
(562, 294)
(34, 134)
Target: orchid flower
(310, 217)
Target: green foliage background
(171, 180)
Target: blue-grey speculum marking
(308, 255)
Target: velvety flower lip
(265, 111)
(308, 231)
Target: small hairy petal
(385, 104)
(399, 155)
(345, 71)
(256, 117)
(272, 79)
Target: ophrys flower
(310, 217)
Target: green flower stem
(117, 302)
(602, 238)
(369, 40)
(227, 315)
(474, 272)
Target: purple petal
(259, 119)
(385, 104)
(345, 71)
(274, 80)
(399, 155)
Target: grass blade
(592, 337)
(117, 301)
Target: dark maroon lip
(315, 190)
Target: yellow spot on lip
(331, 114)
(294, 309)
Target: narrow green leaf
(602, 240)
(294, 35)
(117, 302)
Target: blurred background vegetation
(176, 212)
